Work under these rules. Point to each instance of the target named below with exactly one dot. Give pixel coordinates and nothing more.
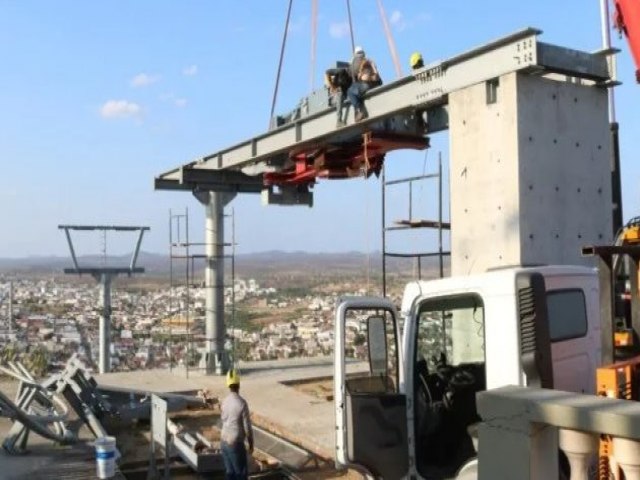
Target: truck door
(371, 411)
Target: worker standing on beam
(236, 428)
(338, 81)
(365, 76)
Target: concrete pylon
(104, 361)
(215, 331)
(11, 306)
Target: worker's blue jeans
(355, 93)
(235, 461)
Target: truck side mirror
(377, 343)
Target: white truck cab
(412, 413)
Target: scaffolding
(186, 279)
(410, 223)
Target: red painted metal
(627, 21)
(346, 160)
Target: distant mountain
(262, 262)
(153, 263)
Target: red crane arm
(627, 21)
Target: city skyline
(100, 98)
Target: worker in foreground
(365, 76)
(236, 428)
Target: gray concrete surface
(530, 173)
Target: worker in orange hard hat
(416, 61)
(236, 428)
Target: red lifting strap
(627, 20)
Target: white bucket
(105, 457)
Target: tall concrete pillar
(11, 307)
(104, 363)
(215, 331)
(530, 173)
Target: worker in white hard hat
(365, 76)
(236, 428)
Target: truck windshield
(451, 331)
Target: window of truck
(567, 312)
(371, 373)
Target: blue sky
(97, 98)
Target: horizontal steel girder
(426, 89)
(97, 271)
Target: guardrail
(523, 428)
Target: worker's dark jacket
(340, 78)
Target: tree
(9, 353)
(37, 361)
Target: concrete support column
(11, 307)
(104, 363)
(510, 448)
(214, 281)
(215, 331)
(520, 146)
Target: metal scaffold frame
(411, 224)
(181, 250)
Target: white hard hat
(358, 51)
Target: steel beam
(189, 178)
(427, 88)
(134, 257)
(204, 186)
(607, 278)
(117, 228)
(607, 310)
(97, 271)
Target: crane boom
(627, 21)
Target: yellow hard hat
(233, 377)
(415, 59)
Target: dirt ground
(134, 445)
(134, 440)
(320, 388)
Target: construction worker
(416, 61)
(338, 81)
(365, 76)
(236, 428)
